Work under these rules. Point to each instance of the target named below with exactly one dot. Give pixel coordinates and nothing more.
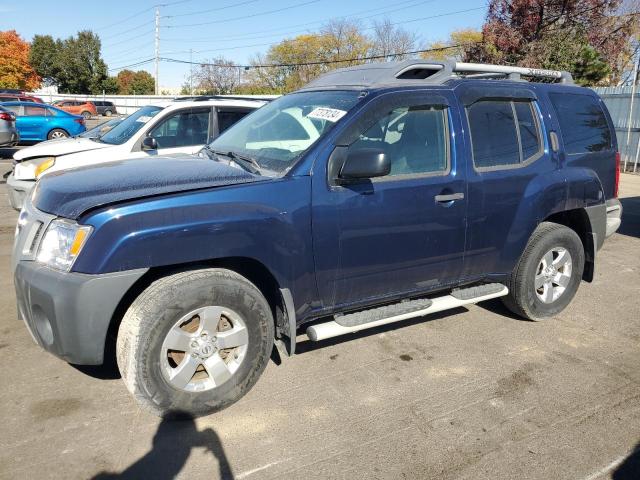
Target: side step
(354, 322)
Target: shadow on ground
(172, 445)
(630, 217)
(630, 468)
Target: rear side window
(228, 118)
(503, 133)
(583, 124)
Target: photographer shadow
(172, 445)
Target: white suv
(163, 128)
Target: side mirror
(364, 163)
(149, 143)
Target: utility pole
(191, 71)
(630, 119)
(157, 90)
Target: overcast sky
(235, 29)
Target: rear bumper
(18, 190)
(68, 314)
(614, 216)
(9, 138)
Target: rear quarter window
(583, 124)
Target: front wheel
(195, 342)
(56, 134)
(548, 274)
(107, 113)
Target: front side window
(503, 133)
(583, 124)
(415, 139)
(130, 125)
(277, 134)
(183, 129)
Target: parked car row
(162, 128)
(375, 194)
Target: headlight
(32, 169)
(62, 243)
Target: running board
(458, 298)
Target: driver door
(402, 233)
(183, 131)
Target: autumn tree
(391, 42)
(129, 82)
(588, 37)
(460, 46)
(15, 70)
(218, 76)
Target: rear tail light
(80, 121)
(9, 117)
(616, 185)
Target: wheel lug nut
(194, 355)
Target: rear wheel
(548, 274)
(57, 133)
(86, 115)
(108, 113)
(195, 342)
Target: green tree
(135, 83)
(74, 64)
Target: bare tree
(391, 42)
(218, 76)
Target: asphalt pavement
(472, 393)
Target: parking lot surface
(472, 393)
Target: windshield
(130, 125)
(97, 132)
(276, 135)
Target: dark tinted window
(528, 129)
(185, 128)
(228, 118)
(414, 138)
(582, 123)
(503, 132)
(493, 134)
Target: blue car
(37, 122)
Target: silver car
(9, 135)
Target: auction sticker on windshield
(330, 114)
(143, 119)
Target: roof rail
(418, 71)
(202, 98)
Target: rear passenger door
(508, 170)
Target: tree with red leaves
(590, 38)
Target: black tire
(108, 113)
(86, 115)
(523, 299)
(57, 133)
(155, 312)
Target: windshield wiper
(248, 163)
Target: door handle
(449, 197)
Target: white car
(162, 128)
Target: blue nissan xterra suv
(374, 194)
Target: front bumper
(19, 190)
(68, 314)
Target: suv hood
(54, 148)
(70, 193)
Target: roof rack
(203, 98)
(432, 72)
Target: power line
(132, 29)
(132, 38)
(137, 64)
(237, 47)
(318, 62)
(243, 17)
(231, 38)
(210, 10)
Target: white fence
(125, 104)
